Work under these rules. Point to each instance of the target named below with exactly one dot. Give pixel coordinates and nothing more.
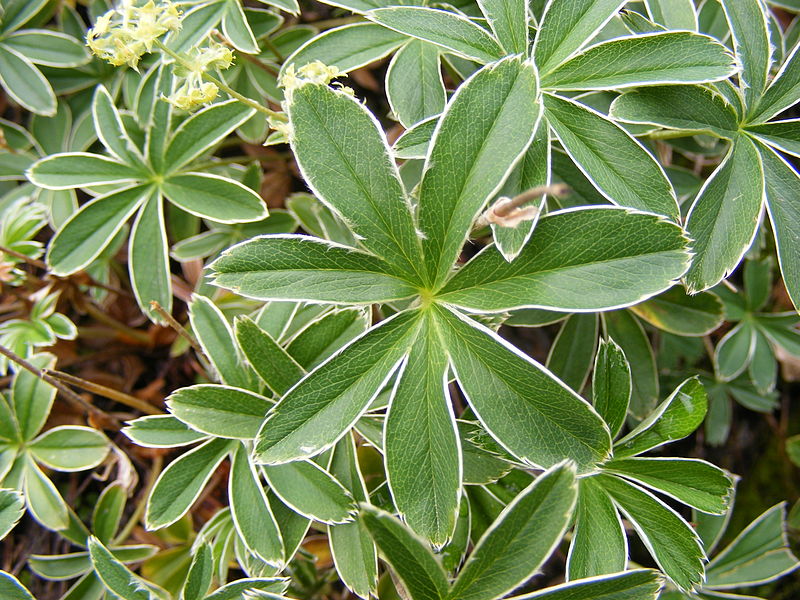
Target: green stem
(219, 83)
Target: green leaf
(12, 589)
(578, 259)
(324, 336)
(783, 208)
(31, 398)
(616, 164)
(782, 93)
(696, 483)
(217, 340)
(293, 267)
(213, 197)
(110, 130)
(488, 124)
(599, 544)
(237, 30)
(759, 554)
(108, 511)
(549, 422)
(565, 28)
(408, 555)
(268, 358)
(520, 539)
(345, 159)
(734, 351)
(414, 142)
(311, 491)
(90, 230)
(417, 62)
(161, 431)
(723, 219)
(236, 589)
(118, 578)
(196, 24)
(25, 83)
(631, 585)
(49, 48)
(148, 257)
(449, 30)
(673, 14)
(532, 172)
(12, 507)
(81, 169)
(781, 135)
(611, 386)
(19, 12)
(59, 567)
(628, 332)
(181, 482)
(203, 130)
(219, 410)
(348, 47)
(70, 448)
(687, 108)
(43, 499)
(329, 400)
(572, 353)
(656, 58)
(677, 312)
(750, 32)
(200, 573)
(671, 541)
(251, 511)
(423, 458)
(353, 552)
(509, 20)
(674, 419)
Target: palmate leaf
(419, 62)
(348, 47)
(292, 267)
(532, 171)
(600, 147)
(693, 482)
(509, 20)
(599, 544)
(408, 555)
(423, 454)
(451, 31)
(659, 58)
(521, 538)
(529, 412)
(251, 511)
(344, 157)
(323, 406)
(491, 120)
(750, 32)
(631, 585)
(724, 218)
(759, 554)
(690, 108)
(611, 385)
(671, 541)
(783, 207)
(352, 548)
(567, 26)
(577, 260)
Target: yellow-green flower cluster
(195, 92)
(122, 35)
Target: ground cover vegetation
(402, 300)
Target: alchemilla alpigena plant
(607, 186)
